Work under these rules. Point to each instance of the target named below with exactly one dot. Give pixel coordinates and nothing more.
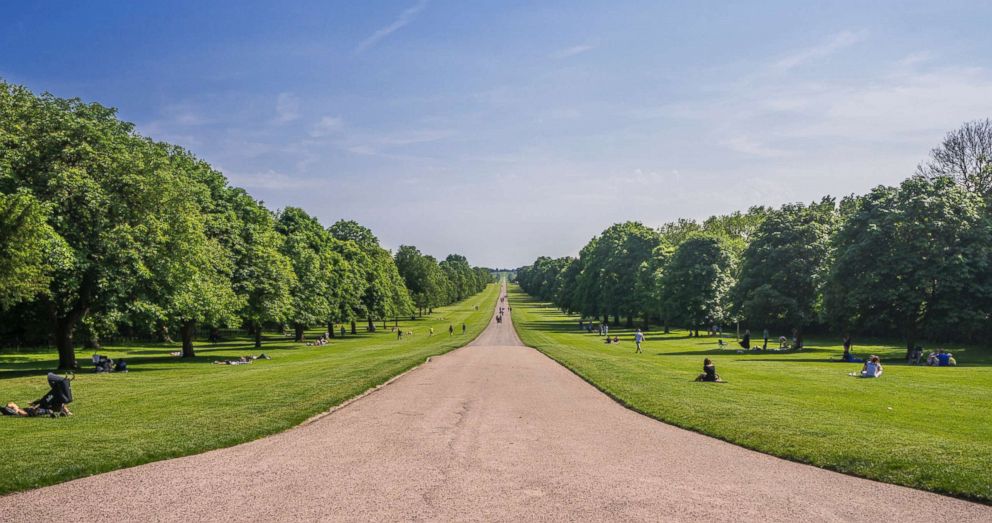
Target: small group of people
(103, 364)
(941, 359)
(324, 339)
(602, 329)
(616, 339)
(243, 360)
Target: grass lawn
(165, 407)
(923, 427)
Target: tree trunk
(371, 326)
(616, 319)
(258, 335)
(298, 329)
(186, 330)
(354, 327)
(330, 329)
(630, 321)
(64, 328)
(606, 318)
(92, 340)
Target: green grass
(166, 407)
(923, 427)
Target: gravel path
(493, 431)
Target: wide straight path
(493, 431)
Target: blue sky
(507, 130)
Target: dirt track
(493, 431)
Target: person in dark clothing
(709, 372)
(746, 340)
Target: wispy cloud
(376, 144)
(287, 108)
(403, 20)
(572, 51)
(747, 145)
(841, 40)
(274, 180)
(326, 126)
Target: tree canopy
(109, 233)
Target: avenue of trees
(105, 233)
(912, 261)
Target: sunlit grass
(923, 427)
(166, 407)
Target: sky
(506, 130)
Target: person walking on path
(638, 338)
(451, 330)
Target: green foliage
(913, 260)
(113, 234)
(30, 250)
(783, 266)
(695, 287)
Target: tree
(380, 298)
(422, 276)
(608, 281)
(263, 276)
(965, 156)
(913, 259)
(783, 267)
(103, 193)
(696, 284)
(308, 246)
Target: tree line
(911, 261)
(107, 233)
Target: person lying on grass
(709, 373)
(33, 410)
(871, 369)
(244, 360)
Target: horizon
(502, 131)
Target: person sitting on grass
(721, 344)
(872, 368)
(709, 372)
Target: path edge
(368, 392)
